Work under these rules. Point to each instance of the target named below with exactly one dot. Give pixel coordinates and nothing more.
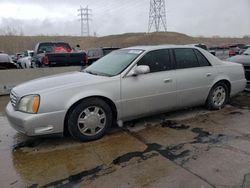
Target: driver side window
(158, 60)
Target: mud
(205, 137)
(28, 144)
(241, 101)
(174, 125)
(187, 148)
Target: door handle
(209, 74)
(168, 80)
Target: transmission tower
(157, 16)
(84, 14)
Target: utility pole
(84, 14)
(157, 16)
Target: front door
(152, 92)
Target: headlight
(29, 104)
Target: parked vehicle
(235, 49)
(18, 56)
(204, 47)
(243, 59)
(57, 54)
(243, 49)
(96, 53)
(6, 62)
(123, 85)
(25, 62)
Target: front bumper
(36, 124)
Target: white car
(25, 62)
(123, 85)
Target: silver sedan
(126, 84)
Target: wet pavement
(188, 148)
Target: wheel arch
(105, 99)
(223, 80)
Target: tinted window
(158, 60)
(46, 47)
(185, 58)
(63, 45)
(202, 60)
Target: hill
(13, 44)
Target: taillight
(45, 60)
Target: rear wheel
(218, 96)
(90, 119)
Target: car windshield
(247, 52)
(113, 63)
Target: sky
(228, 18)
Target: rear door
(194, 76)
(152, 92)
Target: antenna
(157, 15)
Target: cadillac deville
(126, 84)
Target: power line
(157, 15)
(84, 14)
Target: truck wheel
(89, 120)
(218, 96)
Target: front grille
(247, 72)
(13, 98)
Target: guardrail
(13, 77)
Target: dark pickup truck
(96, 53)
(57, 54)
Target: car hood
(57, 81)
(242, 59)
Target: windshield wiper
(97, 73)
(90, 72)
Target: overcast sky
(192, 17)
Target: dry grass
(13, 44)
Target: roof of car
(157, 47)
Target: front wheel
(218, 96)
(90, 119)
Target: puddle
(241, 101)
(206, 137)
(235, 113)
(66, 163)
(174, 125)
(28, 143)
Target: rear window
(54, 48)
(64, 46)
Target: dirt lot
(13, 44)
(189, 148)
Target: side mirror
(141, 69)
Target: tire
(89, 120)
(218, 96)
